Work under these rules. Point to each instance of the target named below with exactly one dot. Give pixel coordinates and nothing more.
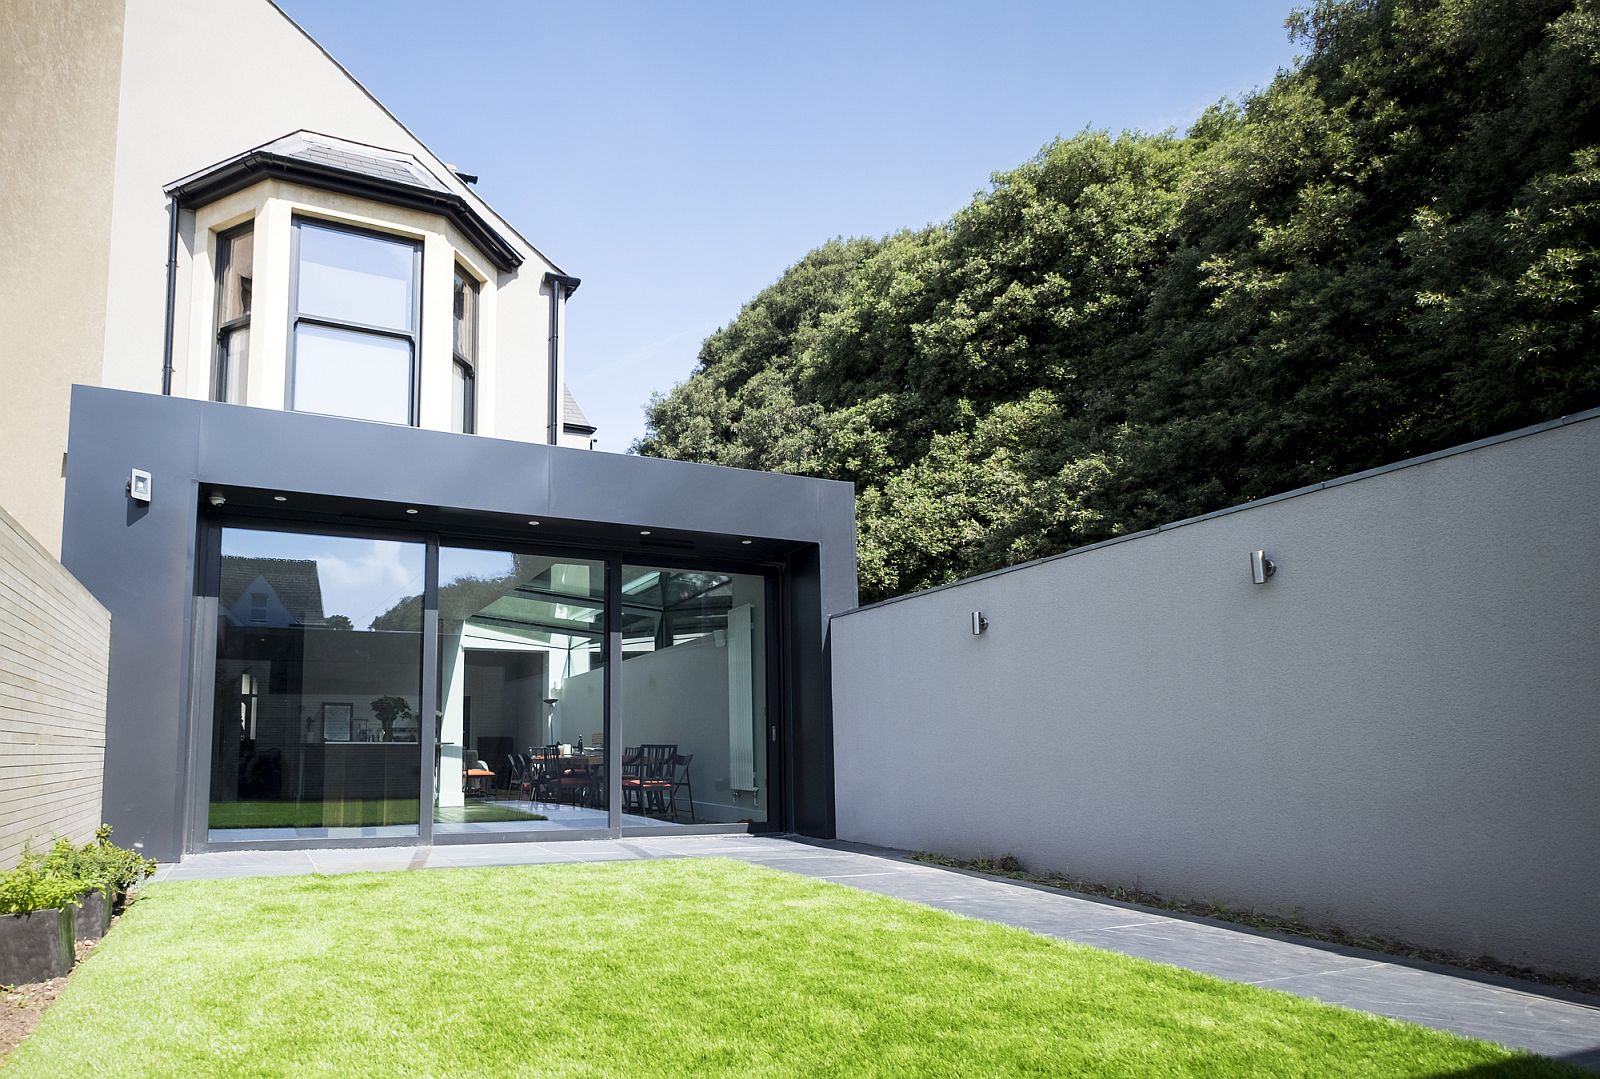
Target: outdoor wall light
(979, 623)
(139, 485)
(1261, 567)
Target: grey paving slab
(1466, 1007)
(1227, 953)
(1515, 1014)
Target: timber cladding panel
(55, 641)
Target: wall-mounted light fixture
(1261, 567)
(139, 485)
(217, 498)
(979, 623)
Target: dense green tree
(1393, 247)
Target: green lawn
(356, 813)
(663, 968)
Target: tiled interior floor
(1557, 1024)
(559, 817)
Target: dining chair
(657, 767)
(680, 779)
(664, 789)
(632, 778)
(547, 764)
(516, 773)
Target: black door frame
(202, 718)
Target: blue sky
(677, 157)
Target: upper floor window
(235, 269)
(355, 304)
(464, 346)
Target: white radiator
(741, 701)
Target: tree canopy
(1392, 248)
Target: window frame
(467, 364)
(219, 358)
(413, 336)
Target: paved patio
(1547, 1021)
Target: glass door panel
(694, 698)
(318, 687)
(521, 693)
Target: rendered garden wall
(1399, 732)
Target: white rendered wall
(191, 96)
(1399, 733)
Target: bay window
(464, 348)
(355, 307)
(235, 275)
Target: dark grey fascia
(143, 561)
(257, 165)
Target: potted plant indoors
(391, 710)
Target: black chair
(632, 778)
(680, 779)
(516, 773)
(656, 771)
(545, 768)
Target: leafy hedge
(1392, 248)
(67, 871)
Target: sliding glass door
(319, 722)
(318, 687)
(521, 693)
(694, 718)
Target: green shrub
(67, 870)
(28, 888)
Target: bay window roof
(349, 168)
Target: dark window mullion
(356, 327)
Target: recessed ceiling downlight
(644, 531)
(411, 510)
(280, 498)
(533, 522)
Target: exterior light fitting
(216, 498)
(979, 623)
(139, 485)
(411, 510)
(280, 498)
(1261, 567)
(747, 542)
(644, 531)
(535, 523)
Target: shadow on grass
(1575, 1065)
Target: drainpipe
(172, 294)
(560, 286)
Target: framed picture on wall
(336, 722)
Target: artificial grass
(354, 813)
(672, 967)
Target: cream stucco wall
(106, 102)
(189, 101)
(59, 66)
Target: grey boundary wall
(55, 640)
(1398, 733)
